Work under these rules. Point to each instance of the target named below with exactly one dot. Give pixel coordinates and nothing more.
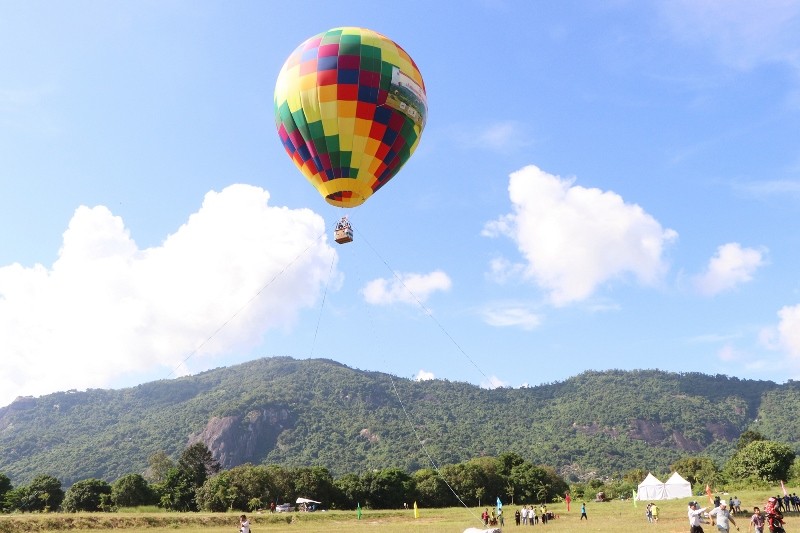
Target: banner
(416, 511)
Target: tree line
(195, 482)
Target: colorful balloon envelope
(350, 107)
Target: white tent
(651, 489)
(677, 487)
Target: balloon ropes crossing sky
(350, 107)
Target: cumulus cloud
(573, 239)
(511, 316)
(406, 288)
(106, 308)
(424, 375)
(729, 267)
(789, 329)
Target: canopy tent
(677, 487)
(306, 504)
(651, 489)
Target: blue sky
(599, 185)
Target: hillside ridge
(318, 412)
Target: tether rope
(245, 305)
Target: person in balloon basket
(723, 517)
(695, 518)
(244, 524)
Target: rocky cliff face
(235, 440)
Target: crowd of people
(531, 515)
(722, 515)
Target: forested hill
(319, 412)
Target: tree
(432, 490)
(315, 482)
(5, 488)
(195, 465)
(762, 459)
(283, 488)
(178, 491)
(350, 491)
(86, 495)
(244, 488)
(794, 471)
(44, 493)
(389, 488)
(132, 490)
(635, 476)
(467, 481)
(158, 466)
(696, 470)
(507, 461)
(747, 437)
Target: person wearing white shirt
(244, 524)
(723, 516)
(695, 518)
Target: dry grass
(603, 518)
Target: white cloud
(406, 288)
(770, 187)
(742, 33)
(789, 329)
(727, 354)
(502, 136)
(574, 239)
(424, 375)
(106, 308)
(493, 382)
(729, 267)
(511, 316)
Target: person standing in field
(654, 511)
(244, 524)
(583, 512)
(756, 521)
(695, 519)
(724, 518)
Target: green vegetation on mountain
(319, 413)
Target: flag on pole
(708, 493)
(358, 511)
(785, 492)
(416, 510)
(499, 505)
(635, 497)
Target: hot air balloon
(350, 107)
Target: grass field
(615, 516)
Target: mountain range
(317, 412)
